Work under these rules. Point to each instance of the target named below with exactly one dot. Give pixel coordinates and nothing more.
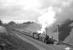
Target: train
(43, 38)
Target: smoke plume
(56, 7)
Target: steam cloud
(49, 18)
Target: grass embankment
(15, 43)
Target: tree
(28, 22)
(12, 22)
(0, 22)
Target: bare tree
(12, 22)
(1, 22)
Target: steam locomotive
(43, 37)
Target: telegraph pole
(58, 31)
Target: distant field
(26, 27)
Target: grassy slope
(69, 39)
(15, 43)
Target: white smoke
(48, 18)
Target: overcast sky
(20, 10)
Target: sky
(25, 10)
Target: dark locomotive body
(43, 37)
